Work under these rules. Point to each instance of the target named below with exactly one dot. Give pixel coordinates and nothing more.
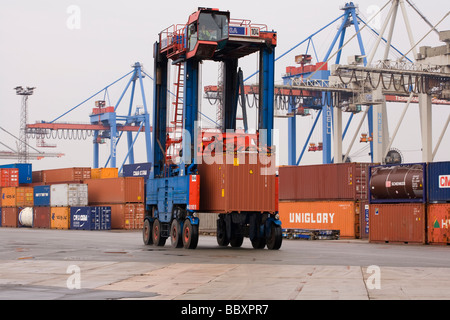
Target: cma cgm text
(310, 217)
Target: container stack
(42, 210)
(398, 203)
(327, 197)
(438, 209)
(55, 198)
(14, 200)
(62, 198)
(125, 196)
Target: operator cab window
(212, 27)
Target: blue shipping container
(90, 218)
(25, 171)
(42, 196)
(137, 170)
(439, 182)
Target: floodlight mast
(23, 139)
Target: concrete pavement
(49, 280)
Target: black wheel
(275, 239)
(259, 243)
(221, 235)
(158, 240)
(190, 235)
(147, 232)
(175, 234)
(236, 240)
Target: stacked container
(64, 175)
(42, 210)
(325, 197)
(90, 218)
(104, 173)
(24, 171)
(9, 177)
(62, 197)
(14, 200)
(125, 196)
(438, 210)
(398, 203)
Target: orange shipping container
(115, 190)
(438, 223)
(60, 218)
(127, 215)
(242, 183)
(398, 223)
(104, 173)
(65, 175)
(322, 215)
(17, 197)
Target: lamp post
(23, 143)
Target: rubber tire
(147, 232)
(236, 240)
(259, 243)
(190, 235)
(158, 240)
(175, 234)
(275, 239)
(221, 235)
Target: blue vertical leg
(292, 136)
(113, 128)
(326, 129)
(130, 134)
(147, 124)
(96, 149)
(190, 108)
(266, 80)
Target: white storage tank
(68, 195)
(26, 217)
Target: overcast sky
(71, 49)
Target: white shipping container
(68, 195)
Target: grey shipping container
(68, 195)
(438, 178)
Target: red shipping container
(9, 177)
(398, 223)
(41, 217)
(344, 181)
(438, 223)
(116, 190)
(10, 217)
